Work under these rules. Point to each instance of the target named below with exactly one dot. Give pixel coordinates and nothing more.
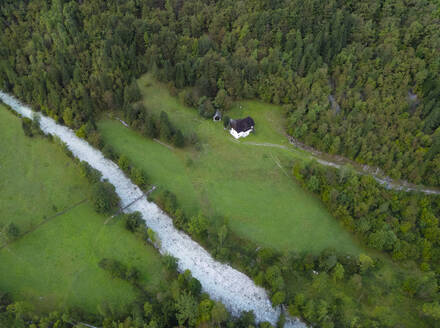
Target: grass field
(248, 185)
(56, 266)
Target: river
(222, 282)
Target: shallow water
(223, 283)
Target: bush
(134, 221)
(114, 267)
(119, 270)
(109, 152)
(104, 198)
(26, 124)
(226, 121)
(139, 177)
(179, 141)
(91, 174)
(11, 231)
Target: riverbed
(222, 282)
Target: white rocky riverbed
(223, 283)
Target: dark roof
(243, 124)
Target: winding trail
(375, 172)
(223, 283)
(339, 161)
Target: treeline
(138, 117)
(405, 225)
(328, 289)
(180, 302)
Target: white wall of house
(238, 135)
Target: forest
(358, 79)
(354, 78)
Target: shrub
(133, 221)
(179, 141)
(91, 174)
(104, 197)
(11, 231)
(109, 152)
(114, 267)
(26, 124)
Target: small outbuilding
(217, 116)
(241, 128)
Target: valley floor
(248, 186)
(55, 265)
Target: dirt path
(375, 172)
(44, 222)
(339, 161)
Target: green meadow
(248, 185)
(55, 266)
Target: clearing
(56, 266)
(236, 180)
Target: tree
(338, 272)
(148, 310)
(219, 314)
(187, 310)
(166, 129)
(205, 308)
(432, 310)
(139, 177)
(222, 234)
(26, 124)
(198, 225)
(91, 174)
(11, 231)
(309, 310)
(133, 221)
(132, 93)
(226, 121)
(124, 163)
(278, 298)
(104, 197)
(222, 100)
(206, 109)
(179, 141)
(366, 262)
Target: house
(241, 128)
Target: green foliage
(73, 242)
(402, 224)
(187, 310)
(139, 177)
(134, 221)
(432, 310)
(104, 198)
(91, 174)
(278, 298)
(366, 262)
(124, 163)
(179, 141)
(119, 270)
(26, 124)
(11, 231)
(198, 225)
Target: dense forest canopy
(358, 78)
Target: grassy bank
(56, 265)
(250, 183)
(244, 183)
